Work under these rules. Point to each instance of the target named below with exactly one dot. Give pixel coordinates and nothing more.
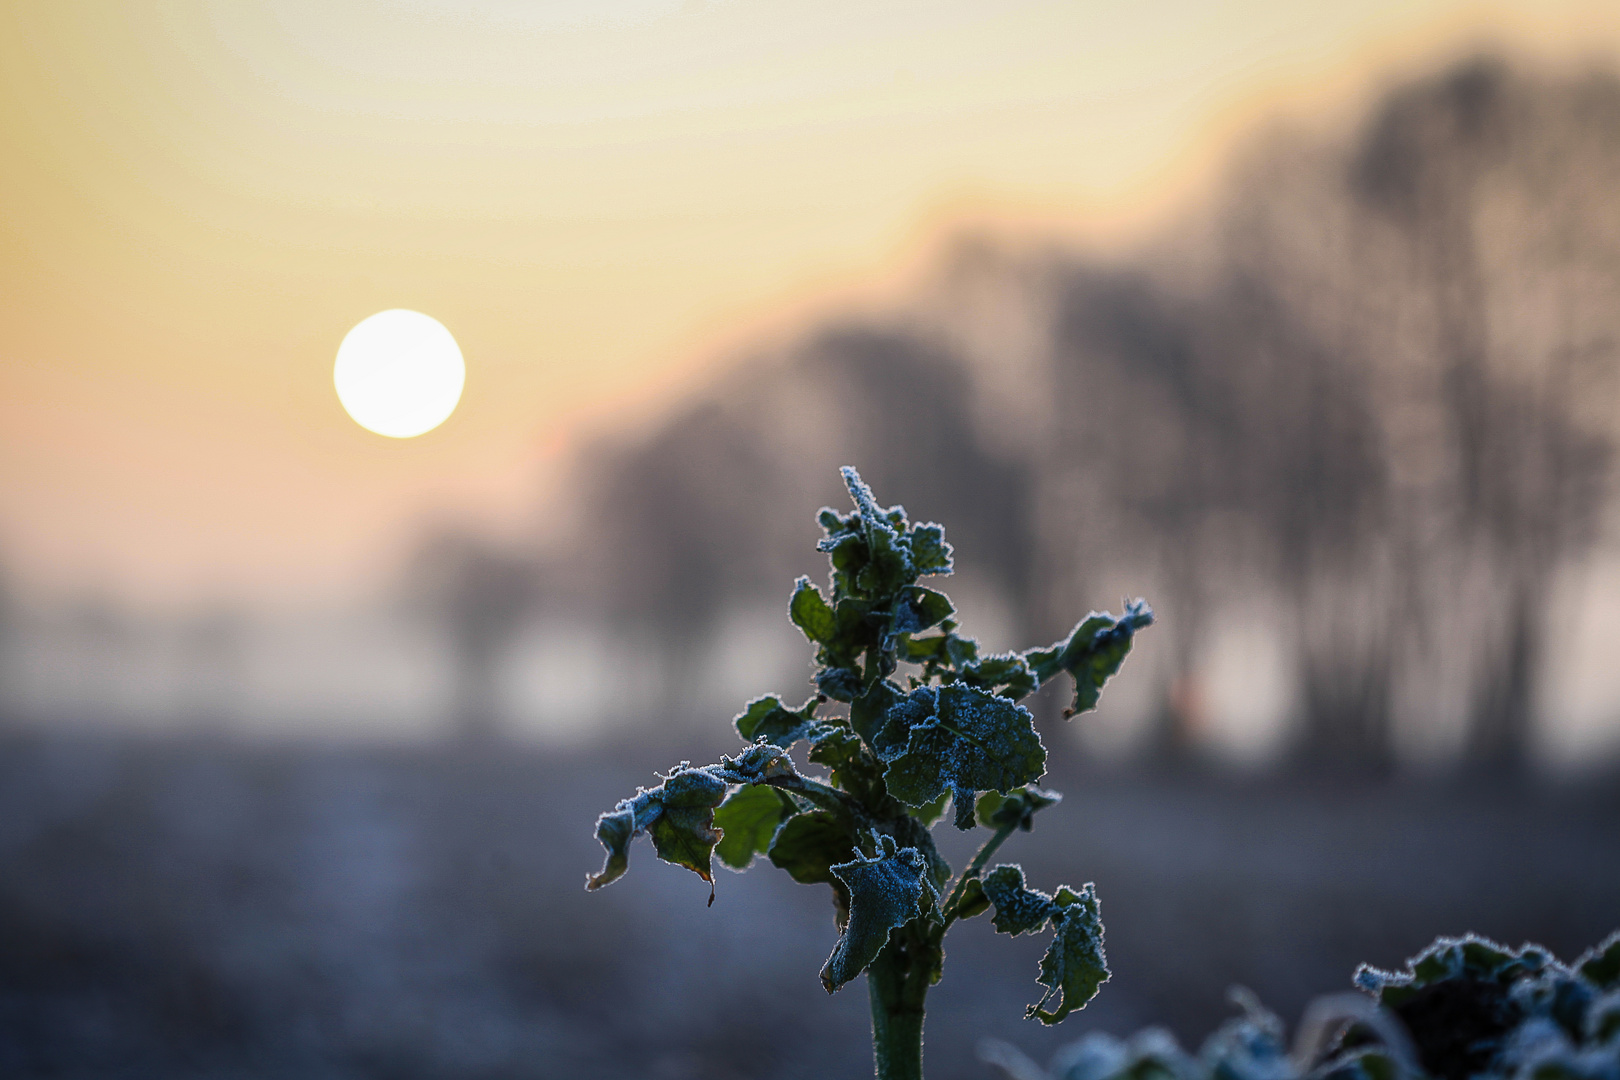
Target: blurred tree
(9, 615)
(1137, 436)
(480, 595)
(1388, 392)
(1376, 385)
(1488, 174)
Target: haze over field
(202, 198)
(1299, 322)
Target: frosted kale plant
(908, 716)
(1464, 1009)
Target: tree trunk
(1499, 744)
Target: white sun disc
(399, 373)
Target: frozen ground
(185, 909)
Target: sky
(602, 201)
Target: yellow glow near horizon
(607, 202)
(399, 373)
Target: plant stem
(897, 983)
(974, 869)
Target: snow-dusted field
(189, 909)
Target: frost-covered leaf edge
(684, 803)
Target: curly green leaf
(767, 719)
(1019, 910)
(1007, 675)
(678, 814)
(957, 738)
(809, 845)
(810, 612)
(929, 551)
(1016, 808)
(1074, 966)
(973, 900)
(885, 892)
(1092, 653)
(1601, 965)
(748, 820)
(918, 608)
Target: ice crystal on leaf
(959, 739)
(679, 813)
(1074, 966)
(1092, 653)
(885, 892)
(1475, 1007)
(1463, 1009)
(1018, 910)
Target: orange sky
(200, 198)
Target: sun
(399, 373)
